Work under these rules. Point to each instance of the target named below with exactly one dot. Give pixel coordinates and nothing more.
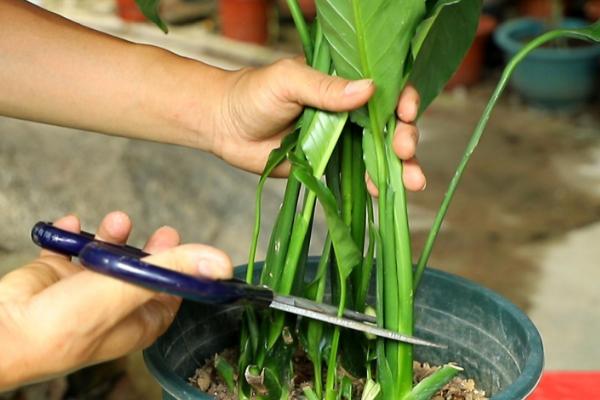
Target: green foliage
(371, 39)
(425, 389)
(346, 252)
(226, 372)
(150, 9)
(438, 46)
(390, 42)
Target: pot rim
(521, 387)
(506, 32)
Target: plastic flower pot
(489, 337)
(129, 11)
(245, 20)
(560, 78)
(471, 68)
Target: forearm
(55, 71)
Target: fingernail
(355, 87)
(424, 186)
(207, 268)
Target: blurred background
(525, 223)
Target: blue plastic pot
(551, 78)
(489, 337)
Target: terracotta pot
(471, 68)
(245, 20)
(129, 11)
(592, 10)
(536, 8)
(308, 7)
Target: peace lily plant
(392, 42)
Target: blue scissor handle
(124, 263)
(49, 237)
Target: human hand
(56, 316)
(261, 105)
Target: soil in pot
(208, 380)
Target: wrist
(185, 96)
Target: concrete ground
(526, 221)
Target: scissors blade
(327, 309)
(283, 304)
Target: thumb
(112, 299)
(309, 87)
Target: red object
(471, 67)
(568, 385)
(129, 11)
(592, 10)
(245, 20)
(536, 8)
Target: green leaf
(226, 372)
(369, 156)
(309, 393)
(371, 39)
(321, 137)
(441, 42)
(347, 254)
(371, 390)
(346, 388)
(429, 386)
(276, 157)
(150, 9)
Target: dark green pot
(494, 341)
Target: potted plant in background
(562, 75)
(366, 258)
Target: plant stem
(478, 132)
(330, 392)
(302, 29)
(404, 267)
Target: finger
(413, 176)
(114, 228)
(138, 330)
(68, 223)
(371, 188)
(408, 105)
(112, 299)
(163, 239)
(405, 140)
(308, 87)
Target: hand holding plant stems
(391, 43)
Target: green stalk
(316, 327)
(330, 392)
(361, 287)
(359, 213)
(583, 34)
(404, 265)
(302, 29)
(347, 177)
(280, 237)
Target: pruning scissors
(124, 262)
